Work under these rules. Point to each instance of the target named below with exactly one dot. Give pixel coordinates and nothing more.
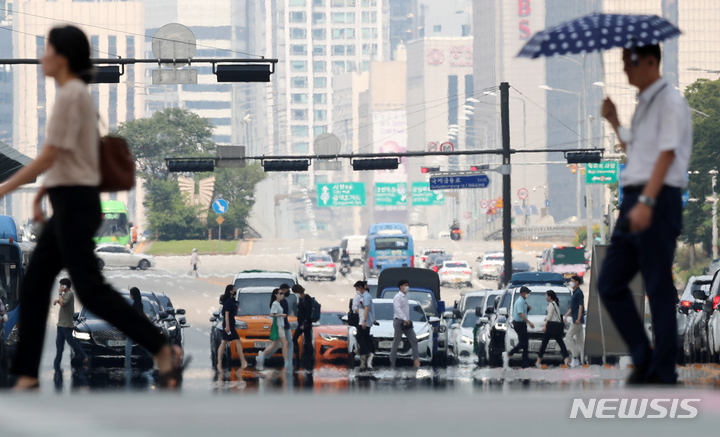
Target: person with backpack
(554, 328)
(306, 308)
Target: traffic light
(583, 157)
(190, 165)
(572, 167)
(480, 167)
(243, 73)
(286, 165)
(375, 164)
(429, 169)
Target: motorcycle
(345, 268)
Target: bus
(115, 227)
(387, 245)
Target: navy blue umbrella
(599, 32)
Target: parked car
(384, 333)
(422, 259)
(498, 335)
(253, 323)
(489, 265)
(455, 273)
(331, 342)
(105, 345)
(687, 306)
(462, 335)
(175, 320)
(317, 266)
(116, 255)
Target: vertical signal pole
(505, 126)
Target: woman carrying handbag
(554, 328)
(71, 160)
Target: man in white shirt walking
(658, 146)
(194, 261)
(403, 325)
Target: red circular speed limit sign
(484, 204)
(447, 146)
(523, 193)
(432, 147)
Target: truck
(566, 260)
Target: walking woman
(554, 328)
(276, 310)
(71, 164)
(230, 307)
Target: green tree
(169, 215)
(170, 132)
(237, 186)
(703, 96)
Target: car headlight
(501, 326)
(241, 325)
(81, 335)
(328, 337)
(423, 336)
(467, 340)
(172, 328)
(442, 328)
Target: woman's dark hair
(137, 299)
(273, 297)
(554, 297)
(71, 42)
(227, 294)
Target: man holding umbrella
(658, 146)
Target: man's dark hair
(359, 284)
(66, 282)
(284, 287)
(649, 50)
(524, 289)
(403, 282)
(298, 289)
(577, 278)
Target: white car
(384, 334)
(489, 265)
(462, 335)
(455, 273)
(537, 313)
(317, 266)
(713, 328)
(115, 255)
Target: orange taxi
(330, 337)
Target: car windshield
(319, 258)
(149, 308)
(423, 297)
(258, 304)
(494, 258)
(472, 302)
(698, 285)
(469, 320)
(331, 319)
(456, 265)
(164, 301)
(391, 243)
(384, 311)
(538, 304)
(262, 282)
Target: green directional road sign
(390, 194)
(422, 196)
(341, 194)
(602, 173)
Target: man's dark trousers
(521, 331)
(65, 335)
(306, 356)
(651, 252)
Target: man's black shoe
(655, 380)
(638, 376)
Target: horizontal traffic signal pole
(129, 61)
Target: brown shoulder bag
(117, 165)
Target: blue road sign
(458, 182)
(220, 206)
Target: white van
(354, 244)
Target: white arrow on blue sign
(458, 182)
(220, 206)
